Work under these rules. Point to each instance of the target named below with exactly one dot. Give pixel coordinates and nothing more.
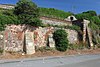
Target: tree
(27, 12)
(61, 41)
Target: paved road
(67, 61)
(90, 63)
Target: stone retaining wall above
(53, 21)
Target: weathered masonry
(20, 38)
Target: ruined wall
(72, 36)
(15, 37)
(41, 35)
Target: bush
(61, 41)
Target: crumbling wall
(41, 35)
(15, 37)
(72, 36)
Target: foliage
(95, 23)
(82, 16)
(95, 37)
(61, 41)
(93, 26)
(96, 20)
(99, 16)
(7, 17)
(76, 46)
(54, 13)
(86, 15)
(27, 12)
(92, 17)
(1, 51)
(8, 12)
(91, 12)
(73, 27)
(3, 20)
(44, 49)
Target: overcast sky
(76, 6)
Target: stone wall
(15, 37)
(54, 21)
(41, 35)
(72, 36)
(6, 6)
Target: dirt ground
(49, 53)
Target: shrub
(61, 41)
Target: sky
(75, 6)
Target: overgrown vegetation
(94, 23)
(54, 13)
(74, 27)
(7, 18)
(44, 49)
(92, 16)
(61, 41)
(76, 46)
(1, 51)
(25, 12)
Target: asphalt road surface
(90, 63)
(67, 61)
